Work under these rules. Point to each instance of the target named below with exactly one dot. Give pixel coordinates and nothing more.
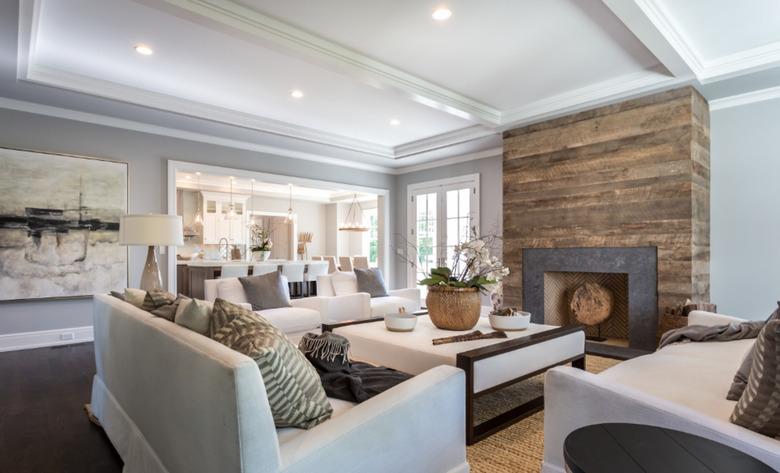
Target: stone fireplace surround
(640, 264)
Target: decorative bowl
(400, 322)
(519, 320)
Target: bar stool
(317, 268)
(332, 266)
(316, 258)
(294, 274)
(346, 263)
(360, 262)
(264, 268)
(235, 271)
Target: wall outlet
(68, 336)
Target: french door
(441, 214)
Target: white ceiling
(454, 85)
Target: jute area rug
(519, 448)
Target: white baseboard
(45, 338)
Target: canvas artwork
(59, 225)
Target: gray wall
(147, 156)
(490, 209)
(745, 209)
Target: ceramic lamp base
(151, 279)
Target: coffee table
(489, 365)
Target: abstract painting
(59, 225)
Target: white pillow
(135, 296)
(344, 283)
(231, 290)
(194, 314)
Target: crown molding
(488, 153)
(745, 99)
(113, 122)
(443, 140)
(359, 66)
(625, 87)
(741, 63)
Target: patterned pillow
(741, 377)
(759, 407)
(168, 311)
(156, 299)
(294, 390)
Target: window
(371, 237)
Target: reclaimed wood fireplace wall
(633, 174)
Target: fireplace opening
(596, 301)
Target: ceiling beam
(651, 27)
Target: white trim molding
(45, 338)
(771, 93)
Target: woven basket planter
(453, 308)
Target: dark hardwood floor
(43, 427)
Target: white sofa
(343, 285)
(305, 315)
(682, 386)
(172, 400)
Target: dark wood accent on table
(633, 174)
(466, 360)
(634, 448)
(43, 427)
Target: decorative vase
(453, 308)
(261, 255)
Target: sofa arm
(700, 317)
(385, 433)
(338, 308)
(408, 293)
(574, 398)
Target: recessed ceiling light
(296, 94)
(143, 50)
(395, 122)
(441, 14)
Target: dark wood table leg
(579, 363)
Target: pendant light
(231, 214)
(289, 218)
(198, 211)
(354, 220)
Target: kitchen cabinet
(216, 221)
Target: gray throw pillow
(168, 311)
(741, 377)
(267, 291)
(758, 409)
(293, 387)
(371, 281)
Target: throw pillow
(741, 377)
(231, 290)
(168, 311)
(118, 295)
(371, 281)
(758, 409)
(157, 298)
(268, 291)
(195, 315)
(135, 296)
(295, 393)
(344, 283)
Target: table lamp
(151, 230)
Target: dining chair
(264, 268)
(332, 266)
(346, 263)
(235, 271)
(294, 274)
(360, 262)
(316, 268)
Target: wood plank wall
(631, 174)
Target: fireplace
(629, 275)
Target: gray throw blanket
(342, 378)
(716, 333)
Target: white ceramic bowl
(400, 322)
(507, 323)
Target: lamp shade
(151, 230)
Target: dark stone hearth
(640, 264)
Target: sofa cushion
(743, 373)
(759, 407)
(292, 319)
(371, 281)
(344, 283)
(168, 311)
(135, 296)
(231, 290)
(295, 394)
(156, 299)
(194, 314)
(390, 305)
(266, 291)
(339, 407)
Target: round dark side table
(634, 448)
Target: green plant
(261, 238)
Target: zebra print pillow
(294, 390)
(758, 409)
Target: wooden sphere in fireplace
(591, 303)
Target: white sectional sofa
(682, 386)
(305, 315)
(172, 400)
(343, 285)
